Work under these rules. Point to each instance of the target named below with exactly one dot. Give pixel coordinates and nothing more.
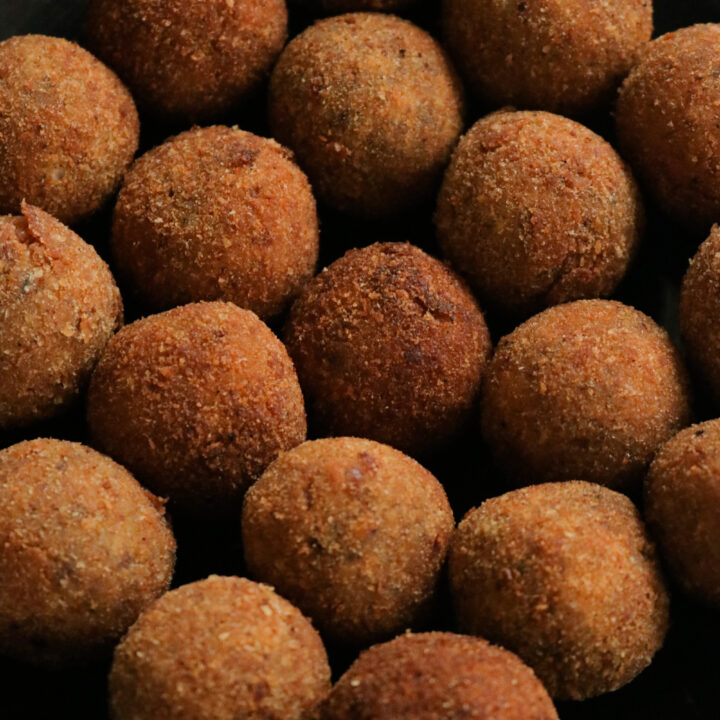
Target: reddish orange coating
(536, 210)
(68, 128)
(60, 306)
(353, 532)
(682, 508)
(197, 402)
(371, 107)
(222, 648)
(83, 550)
(216, 213)
(565, 56)
(666, 121)
(438, 676)
(588, 389)
(389, 344)
(189, 60)
(564, 575)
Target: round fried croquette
(667, 127)
(564, 575)
(83, 550)
(589, 389)
(188, 60)
(222, 648)
(372, 109)
(68, 128)
(390, 345)
(565, 56)
(60, 306)
(682, 508)
(216, 213)
(352, 532)
(438, 676)
(196, 402)
(536, 210)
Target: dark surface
(681, 683)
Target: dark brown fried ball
(197, 402)
(566, 56)
(59, 307)
(189, 60)
(667, 122)
(587, 390)
(564, 575)
(216, 213)
(536, 210)
(390, 345)
(682, 507)
(371, 107)
(223, 648)
(68, 128)
(438, 676)
(336, 7)
(83, 550)
(351, 531)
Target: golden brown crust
(216, 213)
(588, 389)
(351, 531)
(68, 128)
(371, 107)
(537, 210)
(389, 344)
(564, 575)
(196, 401)
(566, 56)
(667, 122)
(222, 648)
(60, 306)
(83, 550)
(193, 60)
(438, 676)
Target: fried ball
(438, 676)
(564, 575)
(537, 210)
(682, 508)
(566, 56)
(68, 128)
(371, 107)
(667, 122)
(390, 345)
(83, 550)
(60, 306)
(188, 60)
(351, 531)
(216, 213)
(587, 390)
(223, 648)
(197, 402)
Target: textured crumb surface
(589, 390)
(372, 109)
(60, 306)
(192, 60)
(216, 213)
(536, 210)
(564, 575)
(566, 56)
(83, 550)
(68, 127)
(389, 344)
(196, 401)
(222, 648)
(438, 676)
(351, 531)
